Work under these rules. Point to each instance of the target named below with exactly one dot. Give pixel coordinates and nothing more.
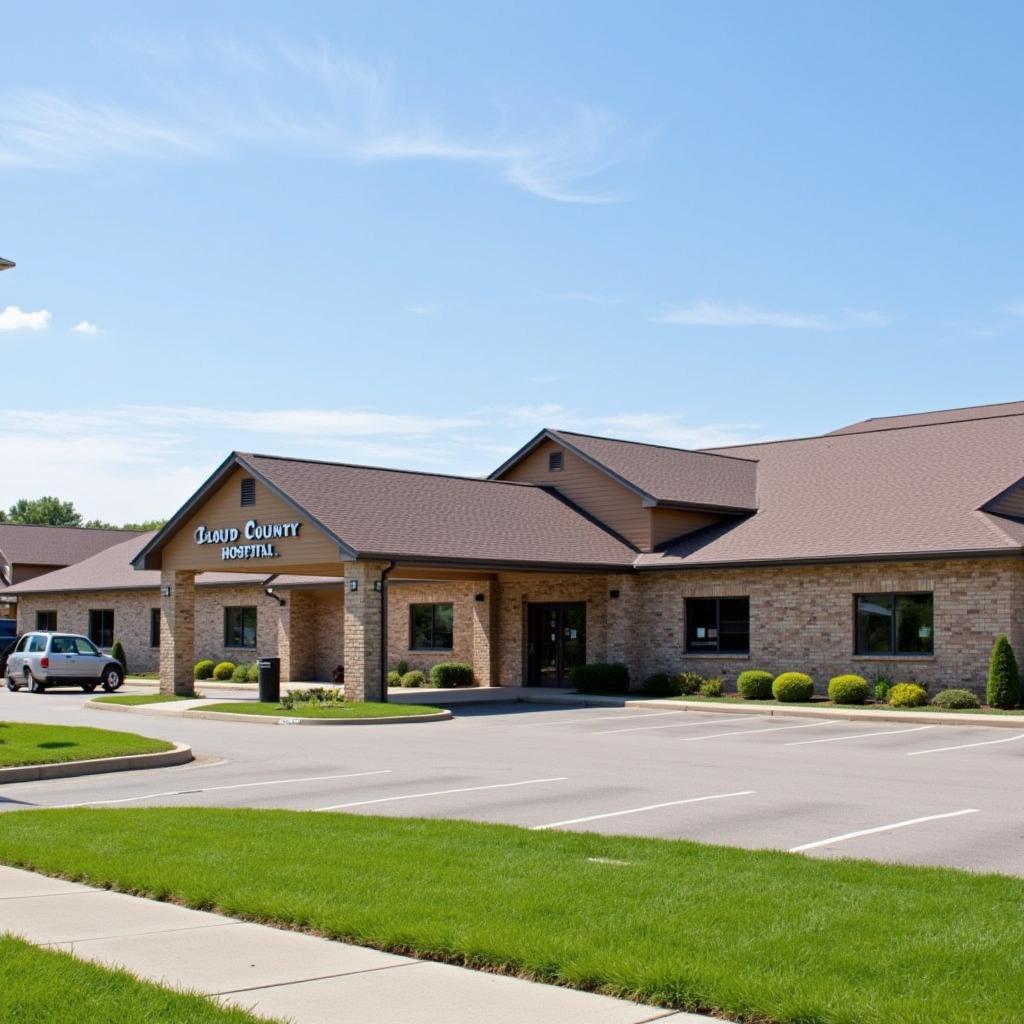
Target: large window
(46, 620)
(718, 625)
(430, 627)
(154, 627)
(239, 627)
(894, 623)
(101, 626)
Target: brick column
(296, 637)
(177, 632)
(622, 625)
(485, 633)
(363, 678)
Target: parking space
(923, 794)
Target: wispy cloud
(85, 327)
(712, 314)
(426, 309)
(15, 319)
(298, 98)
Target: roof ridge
(651, 444)
(83, 529)
(933, 412)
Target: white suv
(41, 660)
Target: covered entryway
(556, 642)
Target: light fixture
(479, 597)
(165, 591)
(378, 586)
(269, 591)
(353, 585)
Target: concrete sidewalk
(283, 974)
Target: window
(101, 627)
(555, 461)
(894, 623)
(430, 627)
(239, 627)
(154, 627)
(46, 620)
(718, 625)
(36, 645)
(248, 491)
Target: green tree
(45, 511)
(117, 653)
(1003, 676)
(146, 525)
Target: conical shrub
(1003, 676)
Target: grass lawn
(24, 743)
(133, 699)
(364, 710)
(143, 675)
(756, 935)
(735, 698)
(43, 986)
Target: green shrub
(117, 653)
(401, 668)
(711, 688)
(203, 669)
(600, 677)
(908, 695)
(755, 684)
(954, 699)
(324, 696)
(446, 674)
(241, 672)
(253, 675)
(413, 679)
(848, 689)
(688, 683)
(793, 688)
(881, 688)
(659, 685)
(1003, 676)
(394, 677)
(225, 670)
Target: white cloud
(85, 327)
(712, 314)
(297, 98)
(14, 319)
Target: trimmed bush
(688, 683)
(711, 688)
(600, 677)
(446, 674)
(241, 672)
(253, 675)
(402, 667)
(953, 700)
(908, 695)
(660, 685)
(882, 686)
(117, 653)
(394, 677)
(413, 679)
(848, 689)
(755, 684)
(225, 670)
(1003, 676)
(793, 688)
(203, 669)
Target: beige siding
(669, 523)
(1010, 504)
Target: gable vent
(248, 491)
(555, 461)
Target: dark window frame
(97, 633)
(234, 634)
(556, 461)
(433, 645)
(154, 627)
(247, 491)
(47, 625)
(893, 651)
(717, 651)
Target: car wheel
(113, 677)
(12, 684)
(33, 684)
(89, 687)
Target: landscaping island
(23, 743)
(363, 710)
(753, 935)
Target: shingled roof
(23, 544)
(930, 419)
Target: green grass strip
(755, 935)
(24, 743)
(134, 699)
(356, 710)
(43, 986)
(820, 703)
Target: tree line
(51, 511)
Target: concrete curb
(227, 716)
(846, 714)
(181, 754)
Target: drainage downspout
(384, 632)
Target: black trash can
(270, 680)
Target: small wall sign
(227, 536)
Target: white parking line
(676, 725)
(440, 792)
(964, 746)
(751, 732)
(217, 789)
(881, 828)
(607, 718)
(638, 810)
(857, 736)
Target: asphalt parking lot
(918, 794)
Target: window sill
(716, 654)
(893, 657)
(430, 650)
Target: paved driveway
(920, 794)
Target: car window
(83, 646)
(36, 644)
(22, 644)
(62, 645)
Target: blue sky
(412, 235)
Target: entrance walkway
(286, 974)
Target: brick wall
(460, 594)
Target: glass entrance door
(557, 642)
